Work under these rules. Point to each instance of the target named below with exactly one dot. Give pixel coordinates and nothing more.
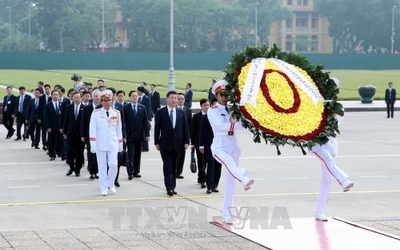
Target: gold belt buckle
(230, 132)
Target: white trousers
(107, 163)
(327, 155)
(233, 172)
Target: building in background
(304, 31)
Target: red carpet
(308, 234)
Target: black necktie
(108, 114)
(227, 110)
(134, 109)
(171, 117)
(56, 108)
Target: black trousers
(75, 154)
(8, 122)
(34, 132)
(54, 142)
(134, 157)
(181, 162)
(390, 109)
(170, 161)
(21, 122)
(213, 170)
(92, 166)
(201, 166)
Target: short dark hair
(153, 85)
(113, 90)
(71, 90)
(62, 90)
(190, 85)
(38, 89)
(47, 85)
(120, 91)
(202, 101)
(22, 88)
(180, 93)
(77, 92)
(132, 91)
(141, 89)
(9, 87)
(40, 83)
(171, 92)
(100, 80)
(144, 83)
(54, 90)
(85, 92)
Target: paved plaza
(41, 208)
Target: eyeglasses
(223, 94)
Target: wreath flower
(286, 110)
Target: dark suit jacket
(63, 106)
(35, 113)
(147, 103)
(169, 138)
(43, 97)
(195, 129)
(72, 126)
(51, 118)
(188, 98)
(137, 125)
(390, 97)
(25, 104)
(85, 121)
(188, 114)
(206, 133)
(155, 101)
(11, 104)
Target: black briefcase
(122, 158)
(193, 166)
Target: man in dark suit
(390, 99)
(46, 98)
(188, 95)
(9, 106)
(136, 132)
(213, 167)
(66, 101)
(34, 118)
(145, 100)
(171, 138)
(73, 117)
(188, 115)
(51, 119)
(194, 139)
(84, 133)
(20, 112)
(211, 96)
(154, 98)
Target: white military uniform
(327, 155)
(106, 141)
(226, 150)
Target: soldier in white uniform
(327, 153)
(106, 141)
(225, 146)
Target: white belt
(230, 133)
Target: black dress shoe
(179, 177)
(17, 139)
(96, 176)
(130, 177)
(175, 193)
(77, 174)
(215, 190)
(52, 158)
(37, 147)
(170, 193)
(91, 177)
(44, 148)
(69, 172)
(116, 183)
(8, 137)
(209, 191)
(137, 175)
(32, 145)
(203, 185)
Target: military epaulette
(116, 110)
(96, 110)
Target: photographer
(78, 83)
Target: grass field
(200, 79)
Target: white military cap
(106, 94)
(337, 82)
(218, 86)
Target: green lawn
(201, 79)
